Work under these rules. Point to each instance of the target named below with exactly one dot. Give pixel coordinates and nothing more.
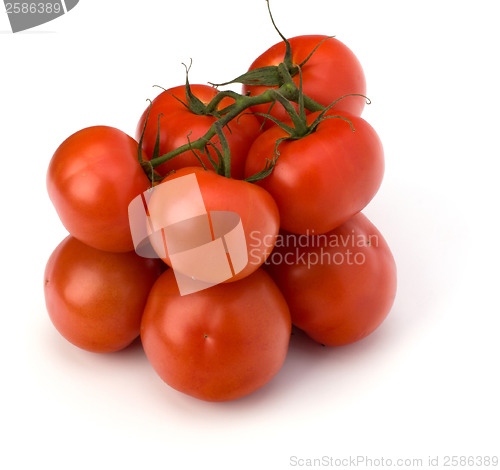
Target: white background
(424, 384)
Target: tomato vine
(285, 92)
(288, 92)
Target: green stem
(312, 105)
(288, 90)
(226, 152)
(216, 100)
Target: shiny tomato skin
(255, 206)
(179, 125)
(332, 72)
(323, 179)
(91, 179)
(96, 299)
(218, 344)
(337, 294)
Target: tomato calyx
(323, 114)
(192, 103)
(298, 128)
(268, 167)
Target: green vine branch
(285, 94)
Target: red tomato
(256, 208)
(332, 72)
(92, 177)
(94, 298)
(178, 124)
(340, 286)
(218, 344)
(321, 180)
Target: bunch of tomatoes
(292, 157)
